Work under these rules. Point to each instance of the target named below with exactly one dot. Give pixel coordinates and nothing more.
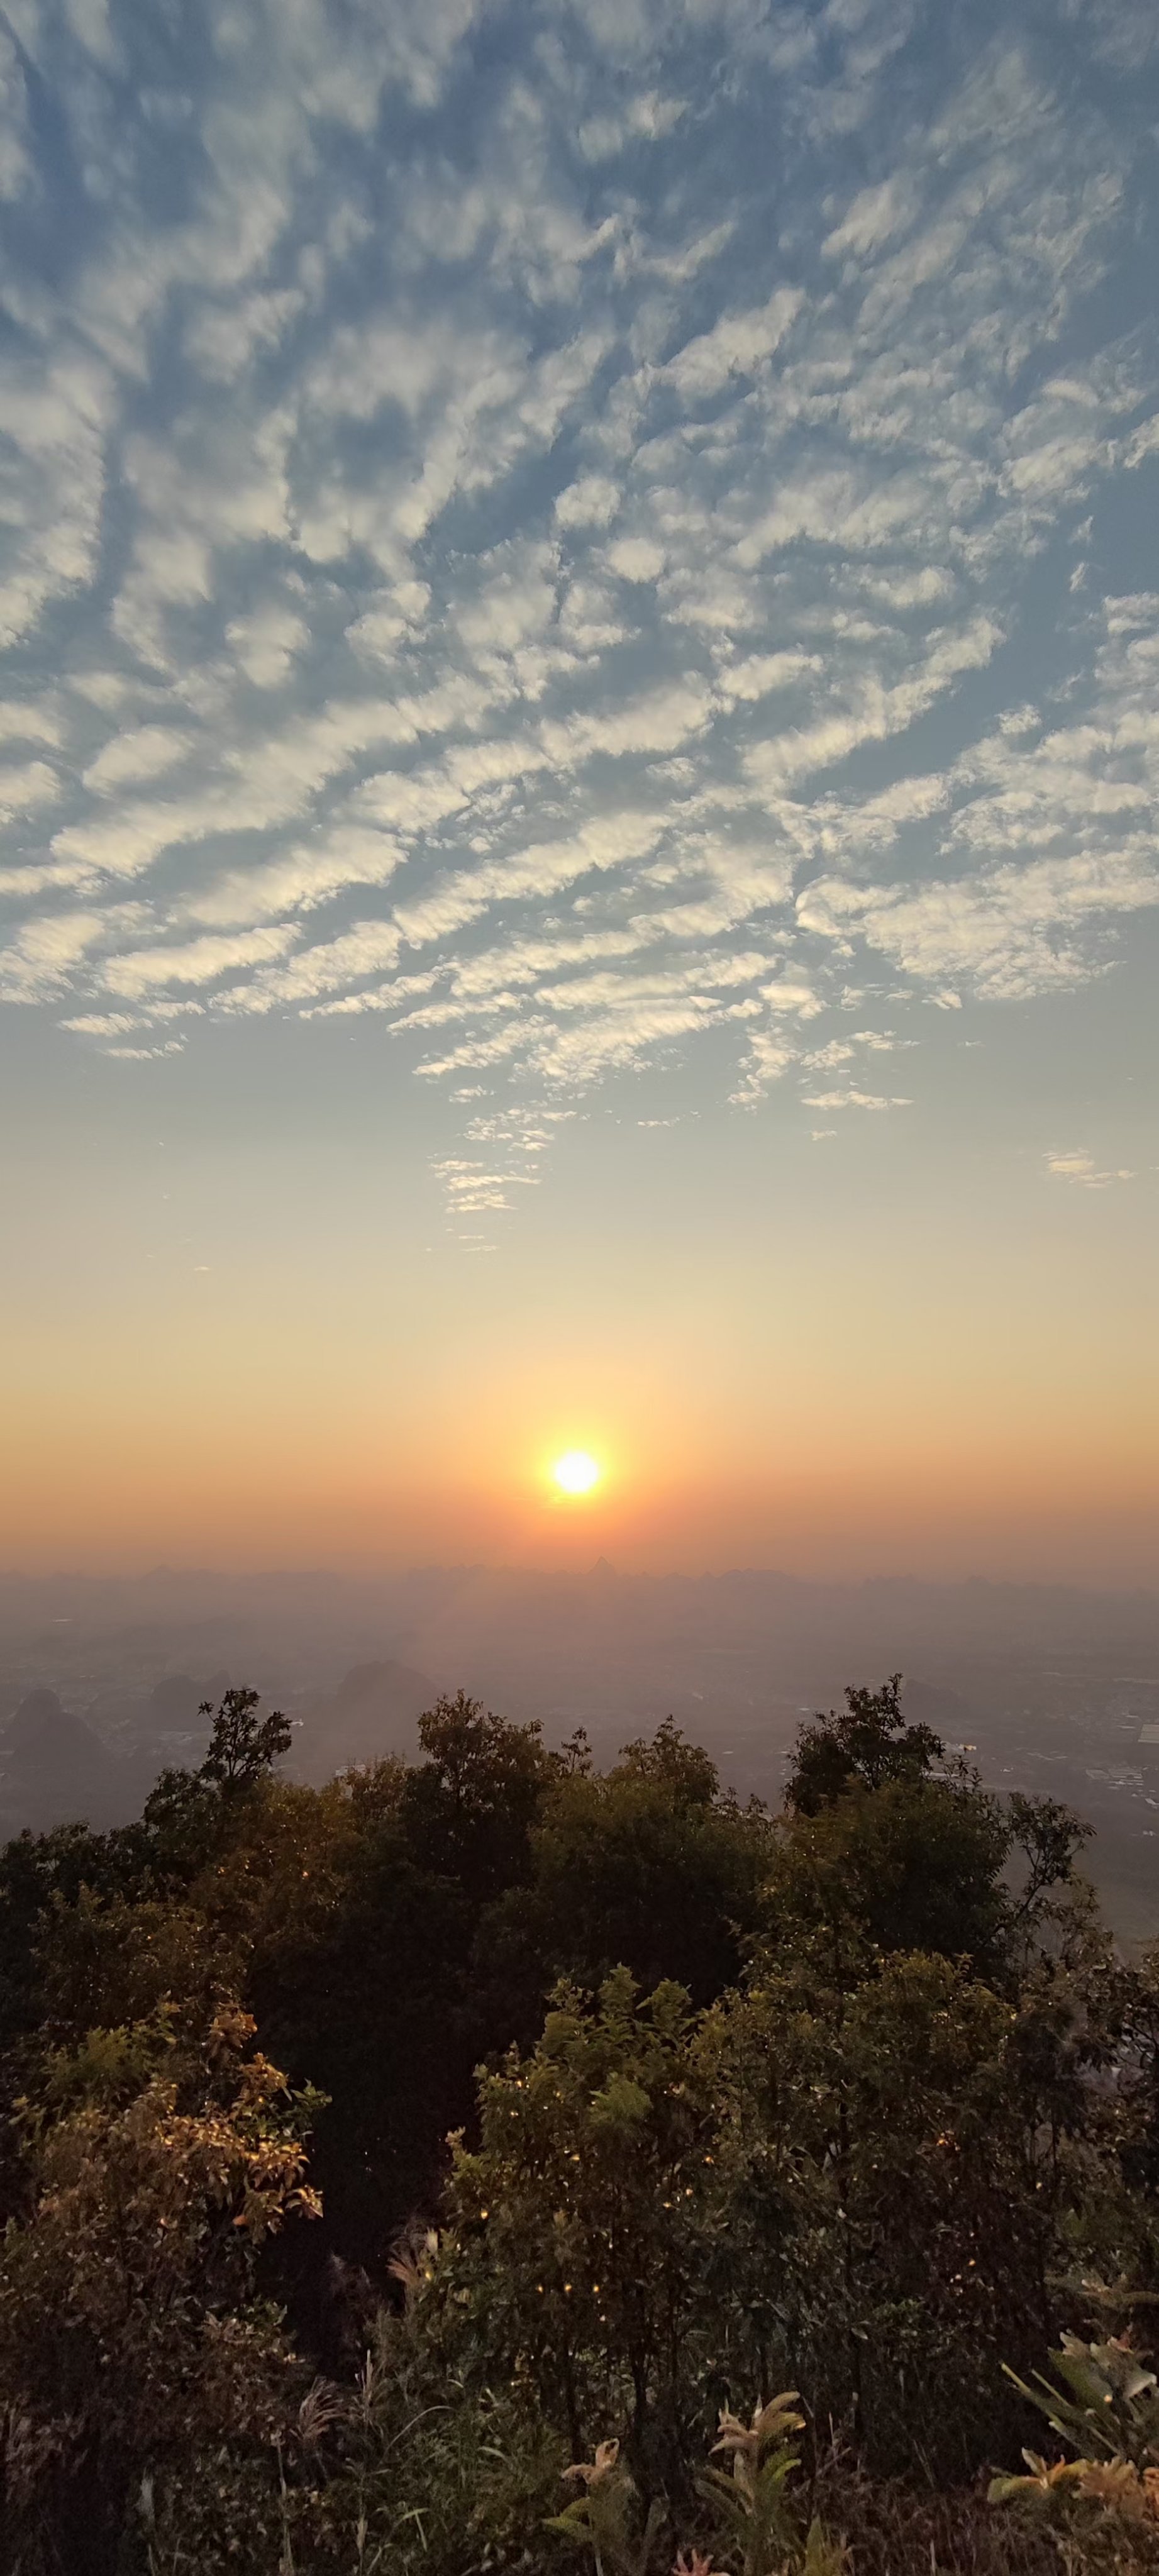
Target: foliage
(685, 1770)
(574, 2254)
(131, 2338)
(190, 1815)
(907, 1866)
(601, 2519)
(752, 2506)
(868, 1741)
(1107, 2495)
(470, 1806)
(878, 1846)
(753, 2516)
(857, 2100)
(869, 2188)
(242, 1746)
(647, 1867)
(894, 2202)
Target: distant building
(1149, 1752)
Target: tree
(913, 1865)
(469, 1808)
(187, 1814)
(359, 1970)
(885, 1842)
(132, 2344)
(1048, 1838)
(243, 1748)
(899, 2112)
(868, 1741)
(576, 2262)
(685, 1770)
(871, 2192)
(898, 2193)
(646, 1867)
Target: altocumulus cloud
(568, 526)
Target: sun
(576, 1472)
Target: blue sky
(613, 546)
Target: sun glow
(576, 1472)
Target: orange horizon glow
(938, 1414)
(1061, 1519)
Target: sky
(579, 746)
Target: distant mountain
(171, 1724)
(374, 1711)
(54, 1770)
(175, 1703)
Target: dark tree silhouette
(868, 1740)
(243, 1747)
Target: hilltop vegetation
(857, 2102)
